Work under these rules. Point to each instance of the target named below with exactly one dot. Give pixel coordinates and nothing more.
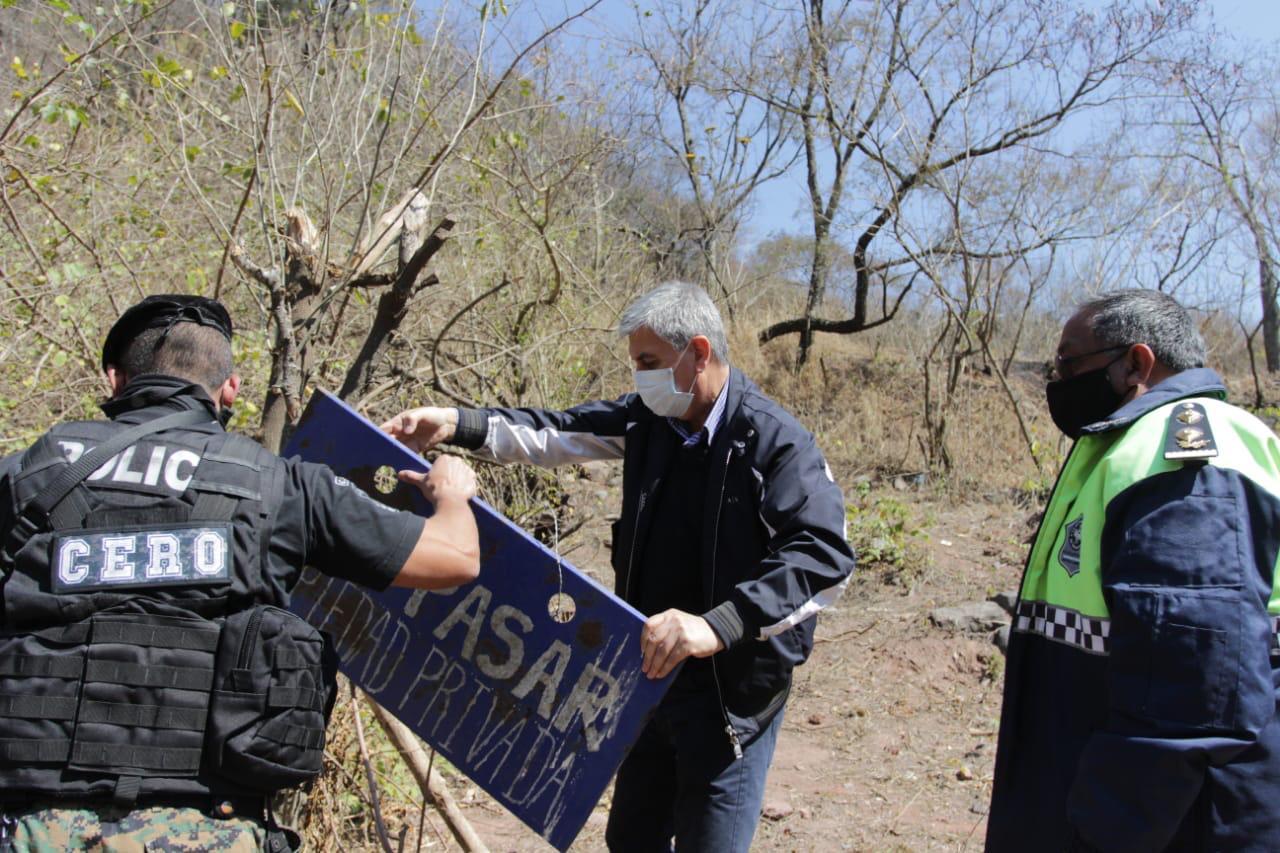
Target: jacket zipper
(250, 638)
(635, 531)
(734, 740)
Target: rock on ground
(973, 616)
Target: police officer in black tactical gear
(152, 685)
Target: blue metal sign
(528, 680)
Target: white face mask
(657, 388)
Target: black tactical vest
(144, 648)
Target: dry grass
(864, 401)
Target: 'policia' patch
(88, 561)
(1069, 555)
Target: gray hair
(1127, 317)
(677, 312)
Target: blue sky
(1257, 18)
(781, 205)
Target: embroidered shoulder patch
(1069, 554)
(1188, 434)
(170, 556)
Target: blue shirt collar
(709, 429)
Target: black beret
(163, 311)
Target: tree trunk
(817, 289)
(394, 304)
(1270, 316)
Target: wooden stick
(429, 780)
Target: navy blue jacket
(773, 550)
(1141, 684)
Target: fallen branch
(378, 822)
(429, 781)
(854, 632)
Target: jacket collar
(739, 385)
(152, 395)
(1196, 382)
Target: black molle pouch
(40, 677)
(272, 692)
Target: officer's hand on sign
(423, 428)
(448, 549)
(673, 635)
(449, 479)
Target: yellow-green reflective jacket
(1140, 692)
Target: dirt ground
(889, 736)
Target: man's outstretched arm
(447, 552)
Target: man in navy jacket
(1140, 691)
(731, 539)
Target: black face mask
(1082, 400)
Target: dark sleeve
(9, 464)
(545, 437)
(330, 524)
(8, 467)
(808, 559)
(1187, 564)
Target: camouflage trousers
(52, 830)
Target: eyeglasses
(1059, 362)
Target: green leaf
(75, 116)
(169, 66)
(237, 29)
(191, 152)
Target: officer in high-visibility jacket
(1140, 689)
(153, 690)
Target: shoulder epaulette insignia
(1188, 435)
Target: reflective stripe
(821, 601)
(548, 446)
(1087, 633)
